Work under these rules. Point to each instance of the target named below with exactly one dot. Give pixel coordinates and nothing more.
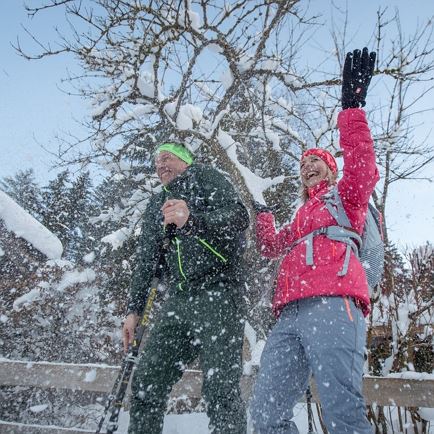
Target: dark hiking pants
(206, 325)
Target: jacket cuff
(130, 311)
(133, 308)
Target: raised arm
(360, 173)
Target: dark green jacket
(208, 249)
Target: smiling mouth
(164, 172)
(311, 175)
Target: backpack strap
(342, 232)
(336, 233)
(335, 207)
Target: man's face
(169, 166)
(313, 170)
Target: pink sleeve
(360, 173)
(270, 243)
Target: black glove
(259, 207)
(357, 74)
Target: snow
(26, 427)
(38, 408)
(145, 85)
(411, 375)
(197, 423)
(427, 413)
(89, 258)
(90, 376)
(255, 184)
(188, 17)
(188, 114)
(23, 225)
(117, 238)
(27, 299)
(72, 277)
(29, 364)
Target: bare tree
(408, 77)
(229, 80)
(185, 66)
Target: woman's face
(312, 170)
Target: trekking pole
(309, 411)
(116, 397)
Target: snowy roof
(23, 225)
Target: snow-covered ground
(197, 423)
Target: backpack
(369, 247)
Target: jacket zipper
(214, 251)
(178, 251)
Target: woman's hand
(357, 74)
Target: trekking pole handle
(170, 233)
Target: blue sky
(33, 109)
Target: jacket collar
(180, 178)
(319, 188)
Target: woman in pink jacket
(322, 294)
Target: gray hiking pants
(323, 336)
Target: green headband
(180, 151)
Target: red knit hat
(324, 155)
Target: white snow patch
(255, 184)
(89, 258)
(23, 225)
(117, 238)
(427, 413)
(188, 114)
(90, 376)
(188, 17)
(72, 277)
(38, 408)
(145, 84)
(27, 299)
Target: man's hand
(357, 74)
(175, 211)
(128, 330)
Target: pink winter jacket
(295, 279)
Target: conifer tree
(56, 207)
(81, 207)
(23, 188)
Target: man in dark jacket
(202, 316)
